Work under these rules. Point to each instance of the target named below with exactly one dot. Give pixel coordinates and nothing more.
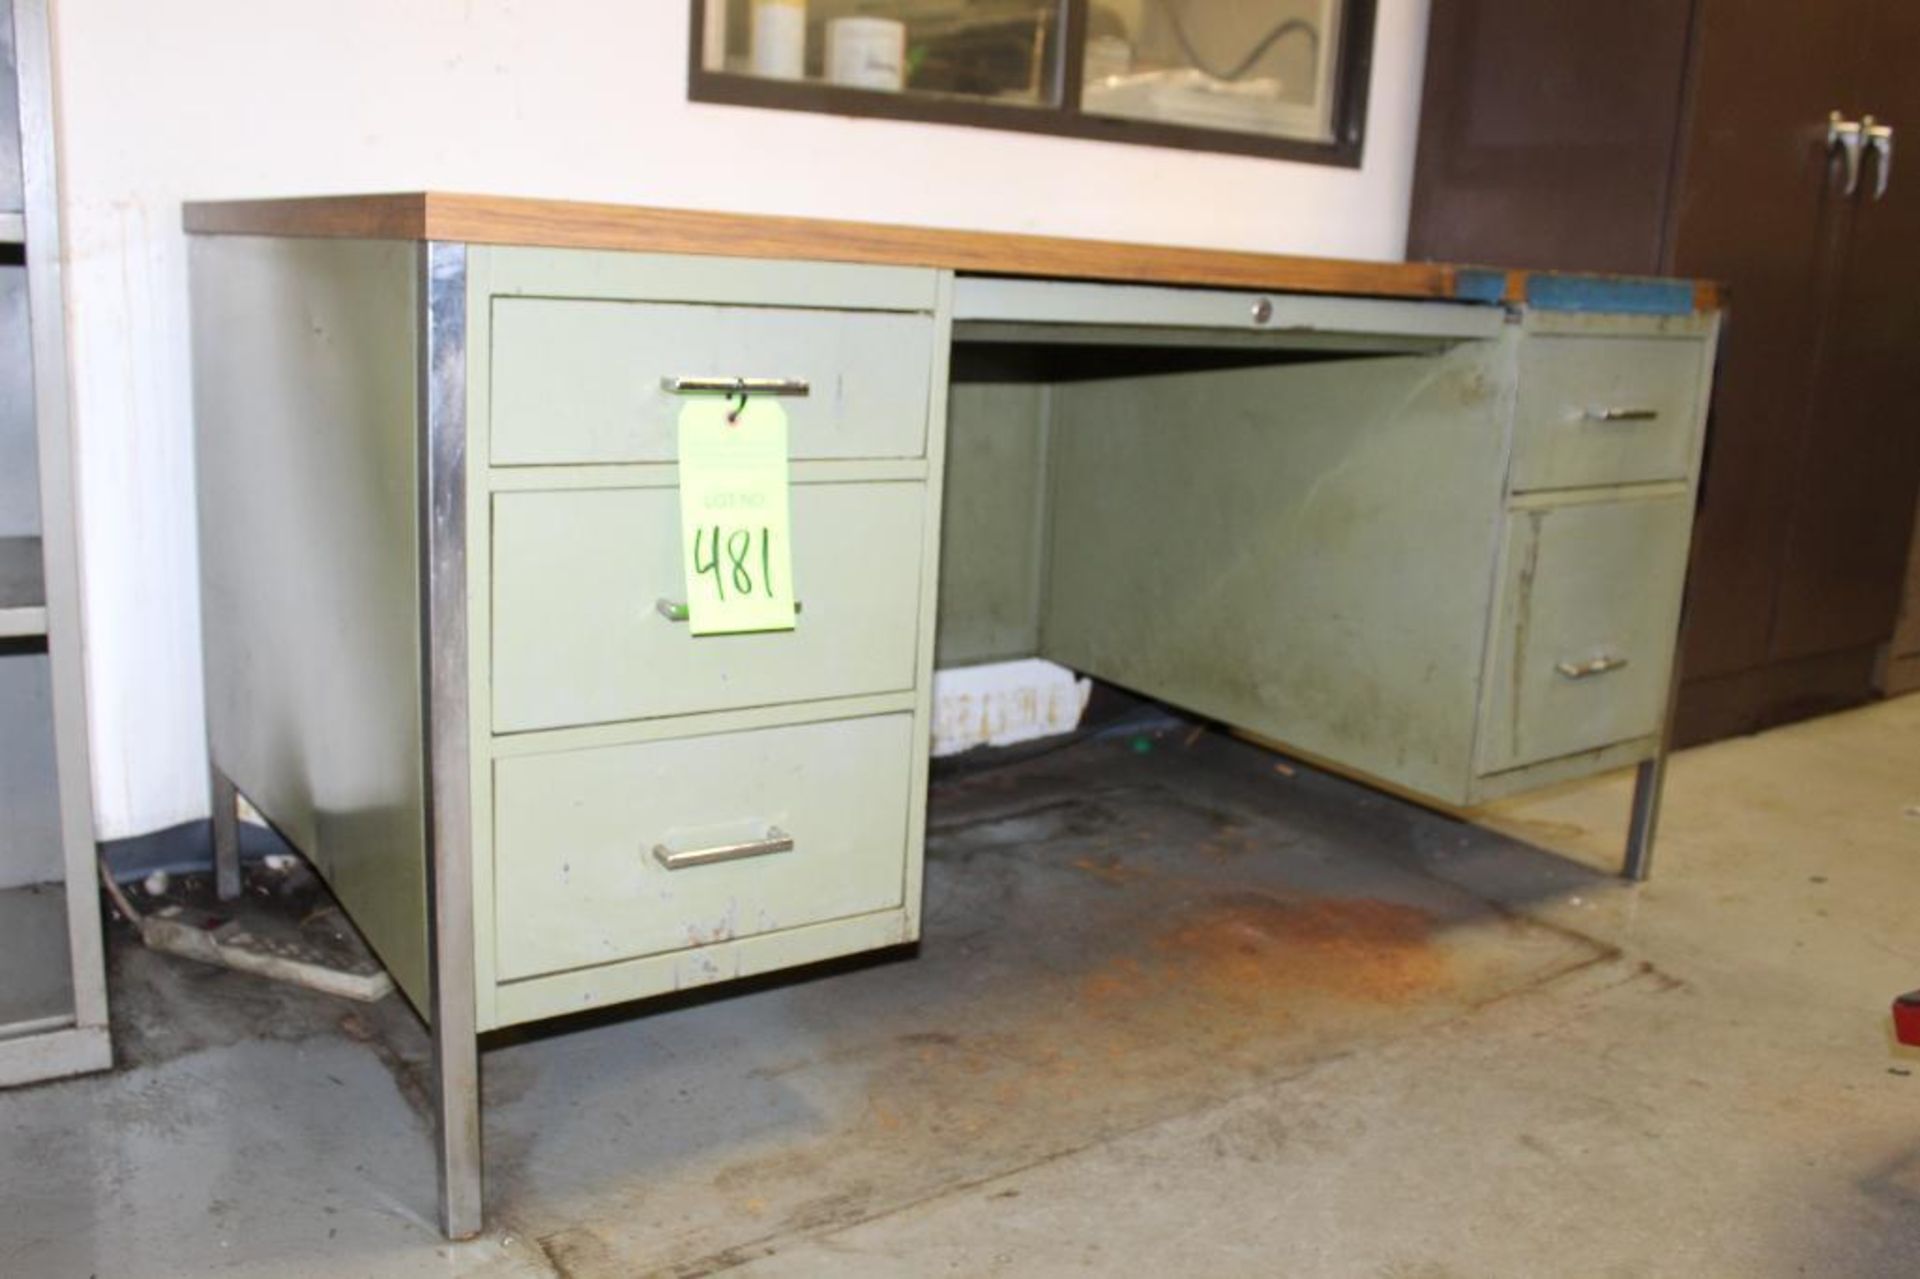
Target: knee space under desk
(1328, 542)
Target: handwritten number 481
(736, 570)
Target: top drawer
(1614, 410)
(578, 380)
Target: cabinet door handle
(1848, 136)
(1880, 144)
(676, 611)
(1624, 414)
(736, 386)
(1588, 669)
(775, 841)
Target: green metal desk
(1423, 524)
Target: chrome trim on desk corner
(442, 479)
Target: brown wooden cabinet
(1691, 137)
(1901, 674)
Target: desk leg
(456, 1115)
(451, 976)
(1648, 782)
(226, 836)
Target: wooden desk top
(478, 219)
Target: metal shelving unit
(53, 1002)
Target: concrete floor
(1177, 1011)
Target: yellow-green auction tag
(735, 530)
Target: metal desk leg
(226, 836)
(456, 1114)
(1648, 782)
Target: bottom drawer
(1585, 636)
(618, 852)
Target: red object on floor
(1906, 1018)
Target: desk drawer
(1595, 411)
(578, 637)
(1589, 609)
(578, 380)
(581, 838)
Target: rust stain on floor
(1258, 954)
(1216, 990)
(1111, 870)
(1259, 948)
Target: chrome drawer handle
(675, 611)
(776, 841)
(736, 385)
(1621, 415)
(1586, 670)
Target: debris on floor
(283, 926)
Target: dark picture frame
(1352, 70)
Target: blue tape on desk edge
(1596, 293)
(1479, 286)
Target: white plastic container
(780, 38)
(713, 39)
(867, 53)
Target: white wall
(201, 99)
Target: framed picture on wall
(1281, 78)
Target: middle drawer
(579, 637)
